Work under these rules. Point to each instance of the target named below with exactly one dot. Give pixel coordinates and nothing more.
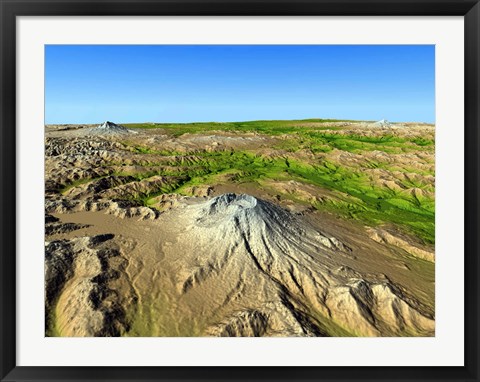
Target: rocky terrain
(265, 228)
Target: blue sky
(186, 83)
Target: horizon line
(241, 121)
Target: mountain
(110, 128)
(234, 265)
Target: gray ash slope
(271, 273)
(234, 265)
(108, 129)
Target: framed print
(251, 191)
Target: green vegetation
(314, 134)
(369, 184)
(325, 141)
(358, 196)
(262, 127)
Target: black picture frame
(10, 9)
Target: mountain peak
(110, 125)
(230, 204)
(110, 128)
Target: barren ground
(265, 228)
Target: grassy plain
(367, 173)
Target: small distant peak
(109, 124)
(382, 122)
(110, 128)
